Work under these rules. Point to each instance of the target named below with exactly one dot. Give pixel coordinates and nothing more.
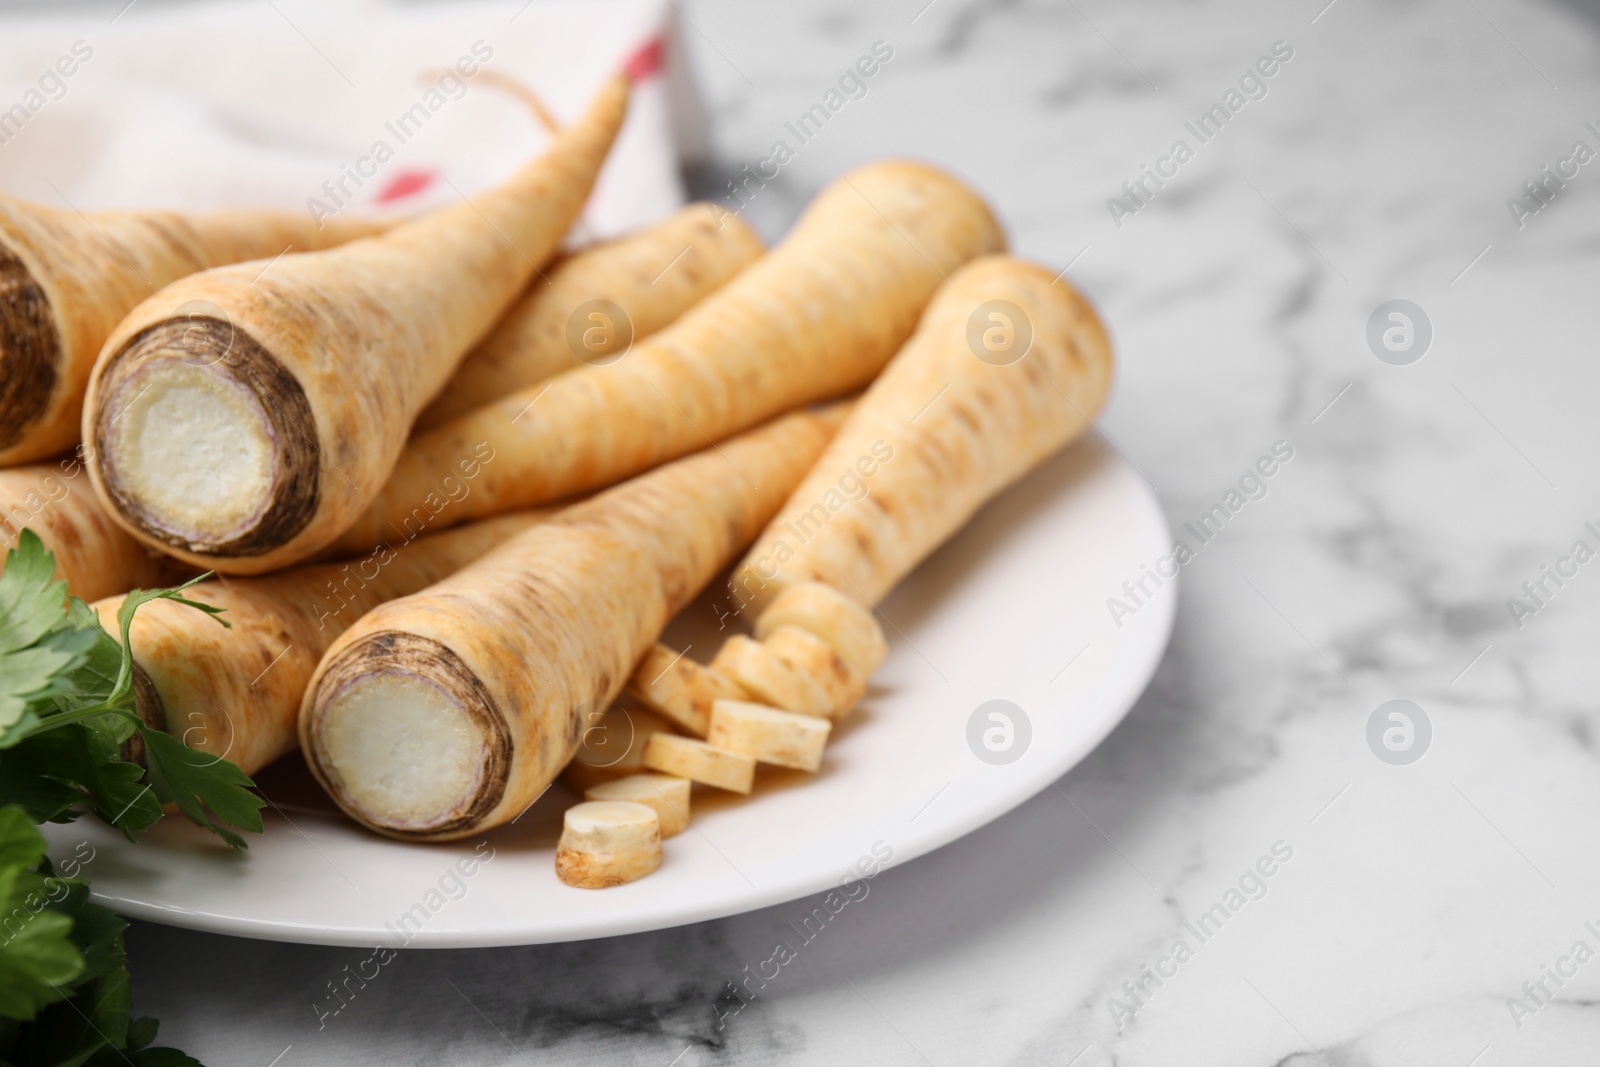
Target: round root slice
(768, 676)
(608, 842)
(667, 794)
(818, 608)
(687, 758)
(612, 745)
(816, 659)
(681, 689)
(165, 406)
(769, 735)
(406, 738)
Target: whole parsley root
(248, 438)
(93, 555)
(444, 713)
(67, 279)
(653, 276)
(944, 431)
(815, 318)
(236, 693)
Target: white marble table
(1416, 900)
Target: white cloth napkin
(356, 106)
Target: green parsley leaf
(67, 707)
(51, 774)
(31, 602)
(38, 957)
(201, 785)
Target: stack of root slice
(836, 639)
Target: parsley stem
(70, 717)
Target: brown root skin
(653, 275)
(67, 279)
(817, 317)
(235, 693)
(368, 332)
(947, 431)
(93, 554)
(30, 352)
(551, 623)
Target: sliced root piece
(819, 608)
(666, 793)
(611, 745)
(676, 686)
(687, 758)
(770, 677)
(769, 735)
(608, 842)
(813, 657)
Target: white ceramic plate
(1014, 608)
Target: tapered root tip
(406, 739)
(30, 351)
(204, 441)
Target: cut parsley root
(235, 693)
(93, 555)
(67, 714)
(653, 275)
(961, 429)
(769, 735)
(816, 317)
(691, 758)
(67, 279)
(760, 671)
(248, 438)
(444, 713)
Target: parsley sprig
(68, 723)
(67, 714)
